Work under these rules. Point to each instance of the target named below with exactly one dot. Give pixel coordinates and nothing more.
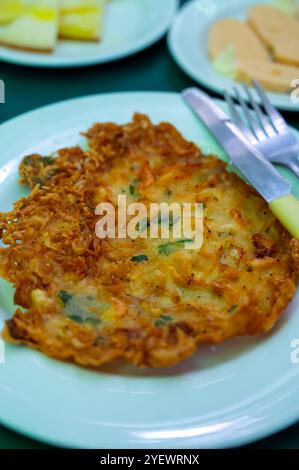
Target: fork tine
(261, 117)
(275, 117)
(237, 119)
(259, 135)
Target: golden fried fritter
(148, 301)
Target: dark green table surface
(154, 70)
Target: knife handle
(286, 209)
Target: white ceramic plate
(223, 396)
(129, 27)
(188, 44)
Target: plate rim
(198, 77)
(31, 60)
(289, 418)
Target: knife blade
(248, 160)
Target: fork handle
(286, 209)
(294, 167)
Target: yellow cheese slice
(289, 7)
(272, 76)
(11, 9)
(278, 31)
(225, 64)
(239, 36)
(82, 19)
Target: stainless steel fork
(265, 128)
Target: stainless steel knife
(258, 171)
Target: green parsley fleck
(233, 308)
(133, 188)
(47, 161)
(163, 320)
(81, 320)
(139, 259)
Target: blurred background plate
(129, 27)
(188, 44)
(224, 395)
